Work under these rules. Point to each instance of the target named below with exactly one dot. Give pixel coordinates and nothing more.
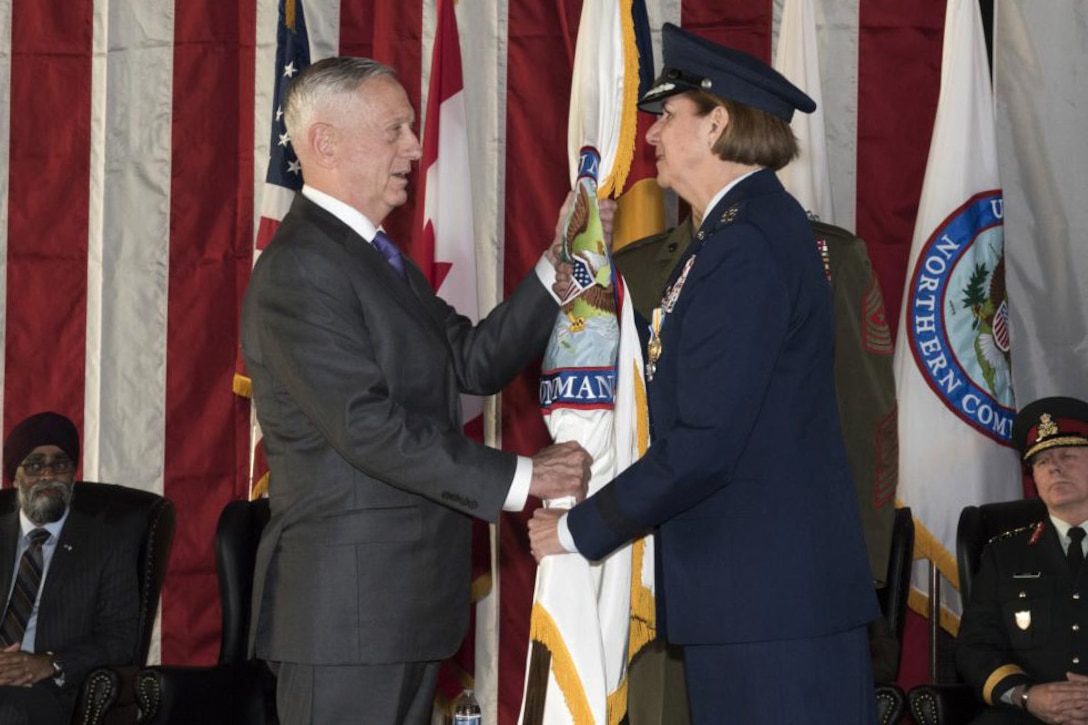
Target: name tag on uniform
(1023, 620)
(1028, 575)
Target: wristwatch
(58, 668)
(1024, 697)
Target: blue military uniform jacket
(1027, 620)
(746, 482)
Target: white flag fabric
(1039, 64)
(582, 611)
(953, 376)
(808, 177)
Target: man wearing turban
(68, 587)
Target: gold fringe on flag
(260, 488)
(542, 628)
(625, 145)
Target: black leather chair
(237, 690)
(954, 703)
(890, 699)
(106, 696)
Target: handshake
(562, 469)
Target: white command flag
(953, 376)
(588, 619)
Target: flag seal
(957, 316)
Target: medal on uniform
(1023, 620)
(653, 347)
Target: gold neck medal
(654, 347)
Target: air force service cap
(1050, 423)
(692, 63)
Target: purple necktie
(25, 592)
(389, 250)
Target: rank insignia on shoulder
(1036, 532)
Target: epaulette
(1035, 528)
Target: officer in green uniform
(1023, 639)
(864, 378)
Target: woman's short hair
(752, 136)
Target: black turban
(42, 429)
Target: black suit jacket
(88, 609)
(357, 377)
(1027, 620)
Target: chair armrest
(226, 694)
(943, 704)
(891, 703)
(107, 697)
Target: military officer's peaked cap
(692, 63)
(1051, 423)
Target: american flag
(284, 175)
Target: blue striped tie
(25, 592)
(389, 250)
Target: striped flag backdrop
(134, 143)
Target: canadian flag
(446, 252)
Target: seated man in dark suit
(69, 590)
(1023, 639)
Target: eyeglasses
(37, 466)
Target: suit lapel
(1053, 556)
(9, 538)
(405, 293)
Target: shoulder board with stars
(1036, 532)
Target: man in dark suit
(80, 611)
(362, 577)
(1023, 638)
(746, 485)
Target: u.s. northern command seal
(958, 316)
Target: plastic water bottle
(466, 711)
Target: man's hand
(1061, 702)
(561, 470)
(554, 254)
(544, 533)
(23, 668)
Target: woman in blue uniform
(763, 576)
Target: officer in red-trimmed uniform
(1023, 639)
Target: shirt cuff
(545, 272)
(566, 539)
(519, 487)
